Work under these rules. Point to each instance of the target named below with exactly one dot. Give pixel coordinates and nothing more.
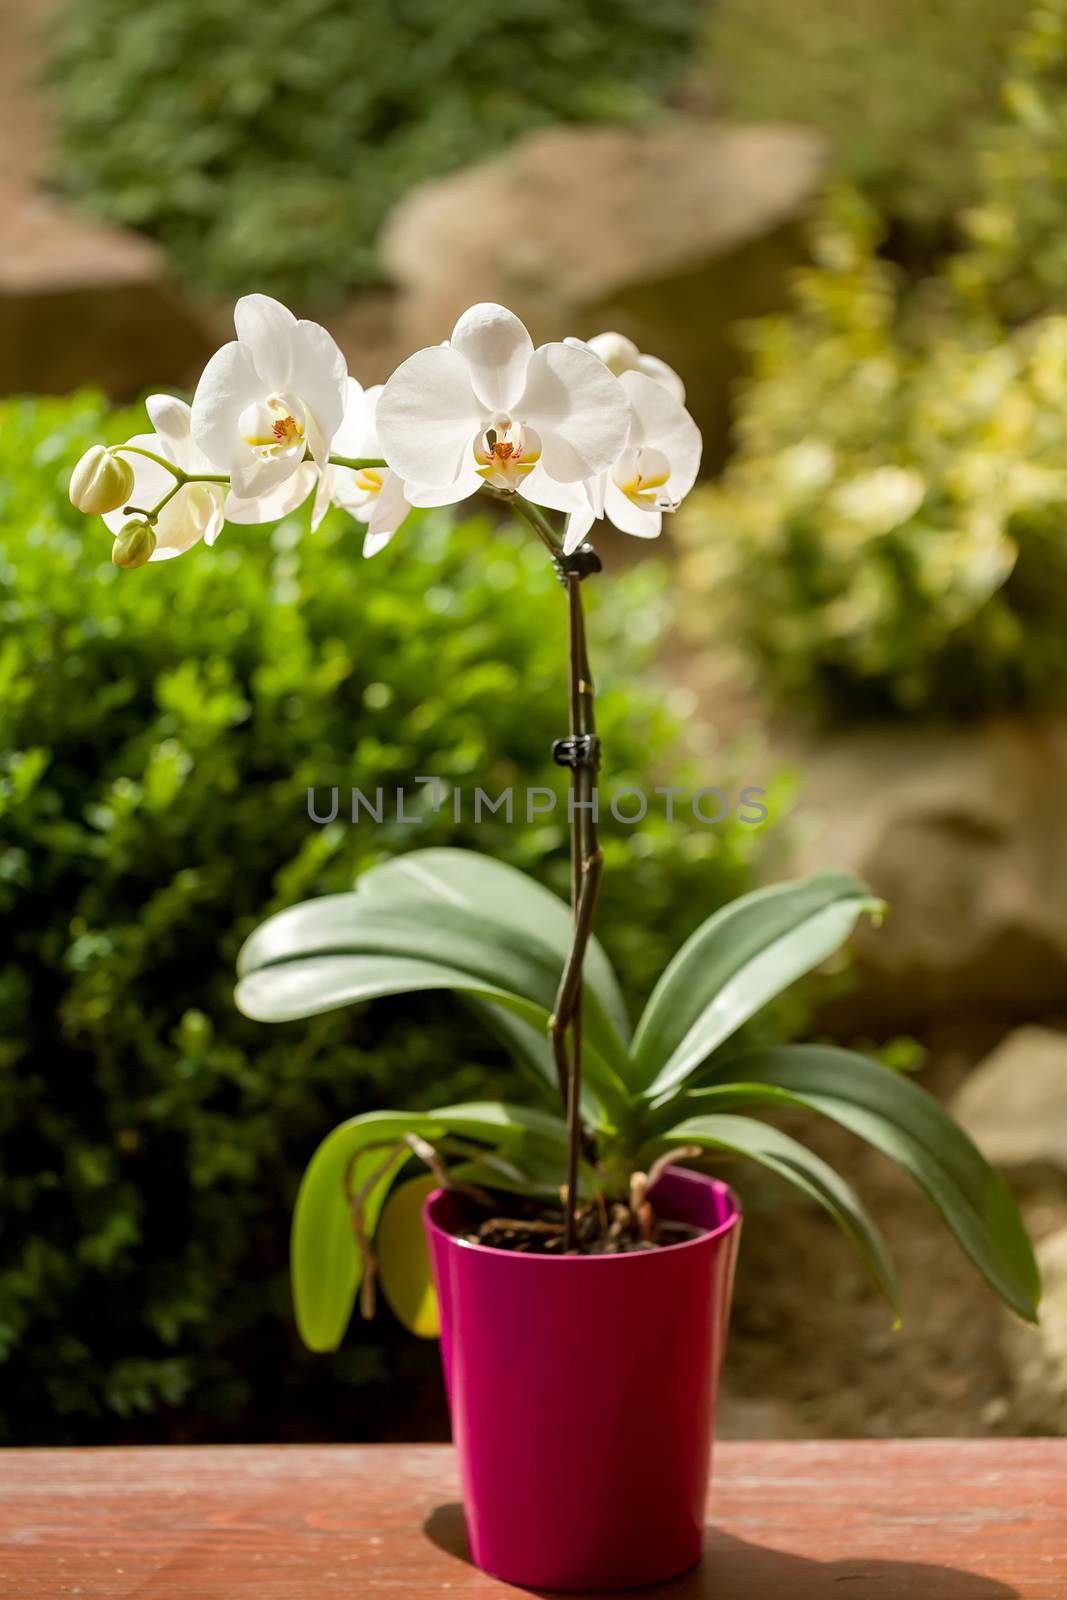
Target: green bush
(904, 89)
(889, 537)
(1015, 265)
(158, 735)
(264, 144)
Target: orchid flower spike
(487, 408)
(195, 511)
(274, 393)
(653, 474)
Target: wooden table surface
(929, 1520)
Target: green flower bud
(100, 482)
(134, 545)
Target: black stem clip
(577, 750)
(584, 561)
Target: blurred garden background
(845, 223)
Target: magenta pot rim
(731, 1220)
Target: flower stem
(533, 515)
(150, 455)
(356, 463)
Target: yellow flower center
(506, 453)
(641, 475)
(273, 426)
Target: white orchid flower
(196, 510)
(274, 393)
(654, 472)
(374, 495)
(619, 354)
(487, 408)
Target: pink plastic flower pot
(582, 1393)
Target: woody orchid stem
(580, 751)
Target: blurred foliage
(158, 735)
(903, 88)
(264, 145)
(891, 535)
(1016, 263)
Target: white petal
(661, 422)
(185, 520)
(428, 417)
(617, 352)
(446, 494)
(376, 541)
(629, 518)
(170, 417)
(545, 491)
(323, 497)
(620, 355)
(319, 378)
(578, 408)
(578, 525)
(150, 481)
(260, 476)
(227, 385)
(265, 327)
(497, 348)
(217, 521)
(389, 508)
(357, 424)
(653, 367)
(276, 502)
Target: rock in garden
(669, 235)
(963, 831)
(1037, 1356)
(1014, 1103)
(83, 303)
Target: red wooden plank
(925, 1520)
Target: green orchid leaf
(736, 962)
(770, 1148)
(292, 990)
(500, 958)
(326, 1266)
(404, 1270)
(503, 894)
(905, 1123)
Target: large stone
(963, 831)
(1037, 1356)
(668, 235)
(1014, 1103)
(81, 303)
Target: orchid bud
(134, 545)
(101, 482)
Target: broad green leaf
(325, 1264)
(404, 1258)
(451, 934)
(743, 1136)
(503, 894)
(326, 1267)
(305, 987)
(736, 962)
(897, 1117)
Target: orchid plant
(590, 431)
